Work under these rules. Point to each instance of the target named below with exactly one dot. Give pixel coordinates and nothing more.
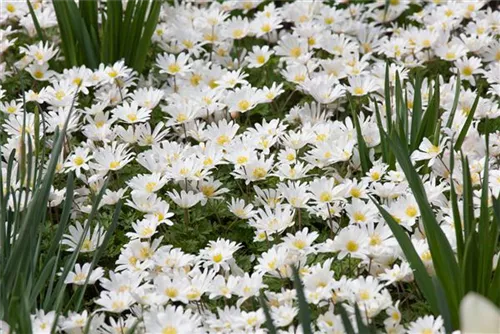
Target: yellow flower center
(116, 305)
(87, 245)
(359, 91)
(359, 216)
(411, 211)
(364, 295)
(325, 197)
(195, 79)
(426, 256)
(450, 55)
(352, 246)
(150, 186)
(375, 240)
(181, 117)
(169, 330)
(259, 173)
(38, 74)
(112, 74)
(78, 161)
(132, 117)
(59, 95)
(238, 33)
(266, 27)
(295, 52)
(300, 244)
(223, 140)
(434, 149)
(174, 68)
(79, 277)
(171, 292)
(242, 159)
(114, 164)
(243, 105)
(467, 70)
(355, 192)
(217, 258)
(208, 191)
(261, 59)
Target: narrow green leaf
(467, 124)
(304, 312)
(38, 29)
(420, 273)
(269, 321)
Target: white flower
(81, 275)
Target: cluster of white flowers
(293, 171)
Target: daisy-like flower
(243, 99)
(427, 325)
(293, 47)
(185, 199)
(428, 151)
(349, 241)
(114, 74)
(451, 51)
(324, 190)
(115, 302)
(40, 72)
(270, 93)
(218, 254)
(143, 229)
(236, 28)
(81, 275)
(295, 193)
(78, 160)
(131, 113)
(240, 209)
(361, 85)
(171, 320)
(146, 184)
(222, 133)
(40, 53)
(42, 323)
(181, 113)
(90, 240)
(111, 157)
(259, 56)
(468, 67)
(147, 97)
(398, 273)
(301, 241)
(77, 321)
(361, 212)
(254, 170)
(170, 64)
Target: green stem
(186, 217)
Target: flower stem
(186, 216)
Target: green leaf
(362, 148)
(38, 29)
(416, 116)
(304, 312)
(420, 273)
(443, 257)
(147, 34)
(467, 124)
(269, 321)
(455, 102)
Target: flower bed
(249, 167)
